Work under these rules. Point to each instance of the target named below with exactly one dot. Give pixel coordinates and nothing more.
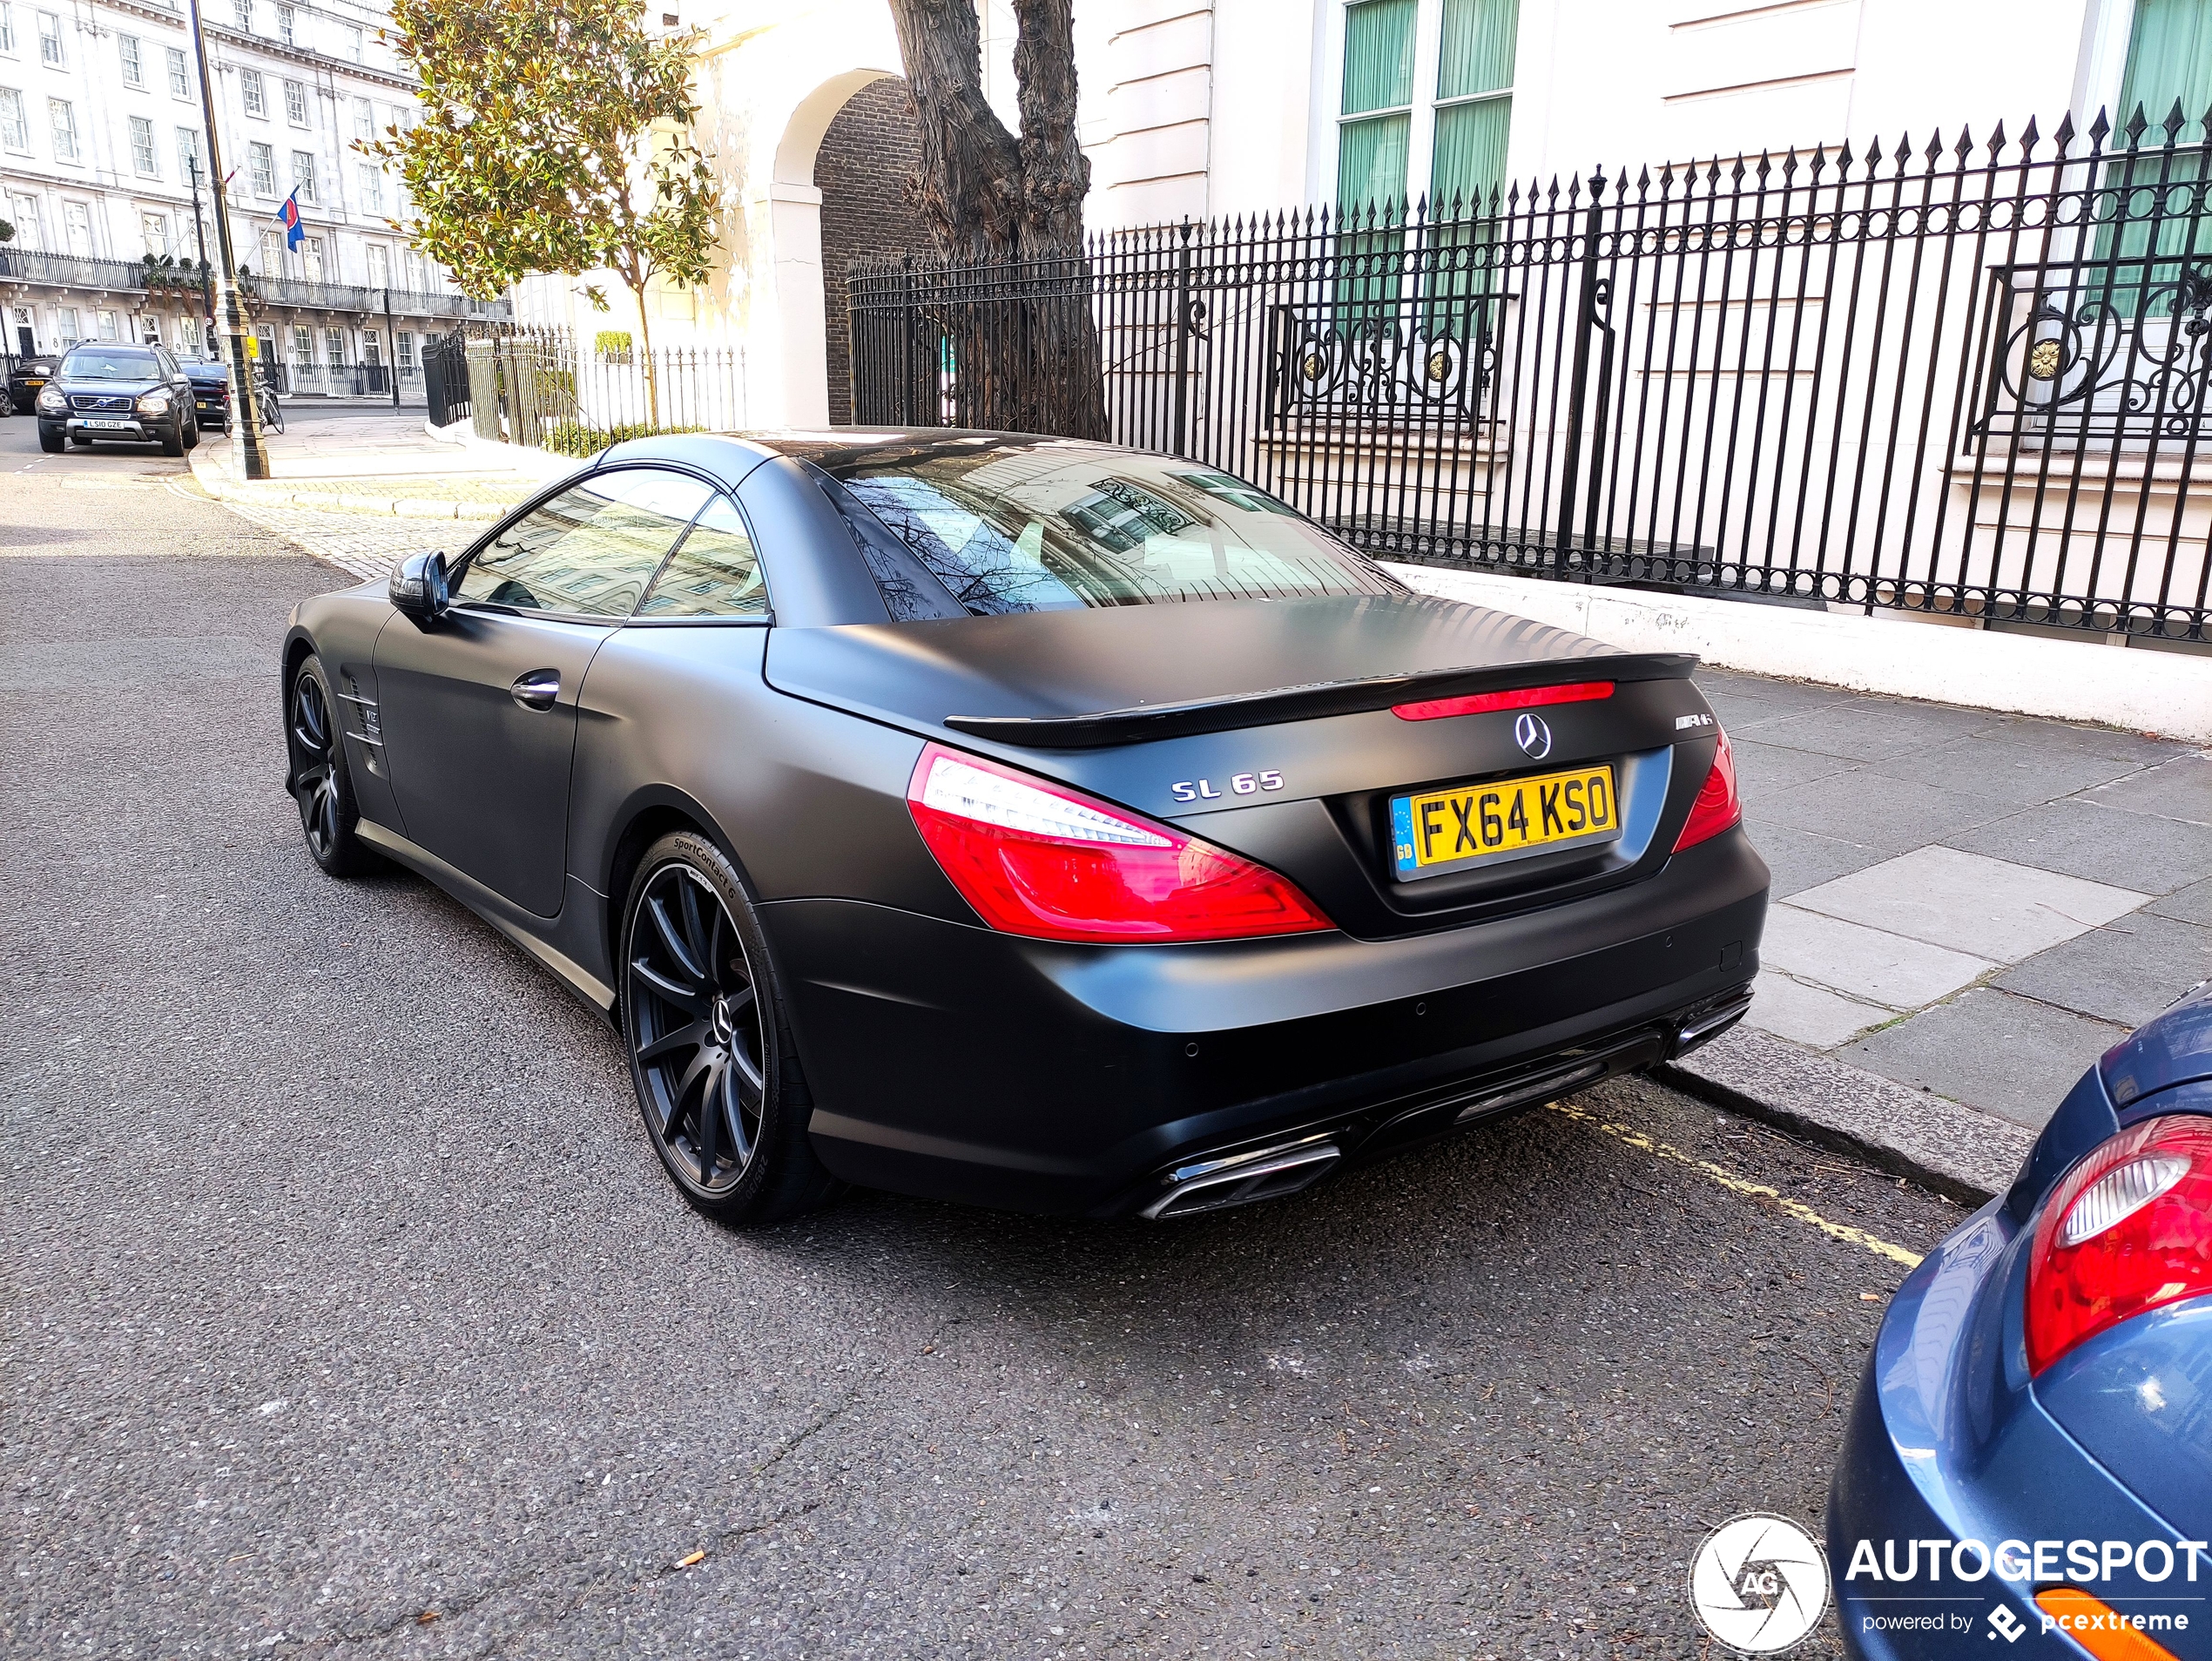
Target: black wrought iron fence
(1959, 376)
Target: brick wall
(871, 149)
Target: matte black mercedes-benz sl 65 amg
(1026, 821)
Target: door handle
(538, 689)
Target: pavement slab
(1811, 1015)
(1801, 859)
(2192, 904)
(1871, 964)
(2181, 788)
(2006, 765)
(1986, 907)
(2126, 972)
(1873, 729)
(2108, 845)
(1878, 814)
(2009, 1056)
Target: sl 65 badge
(1245, 784)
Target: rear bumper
(953, 1062)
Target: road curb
(1942, 1145)
(215, 478)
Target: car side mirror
(418, 590)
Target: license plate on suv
(1435, 831)
(103, 421)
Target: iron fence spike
(2175, 122)
(2136, 125)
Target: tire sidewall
(784, 1108)
(344, 856)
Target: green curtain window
(1370, 161)
(2169, 57)
(1479, 38)
(1379, 56)
(1470, 152)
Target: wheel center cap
(721, 1020)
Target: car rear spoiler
(1146, 721)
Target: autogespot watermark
(1759, 1584)
(2056, 1569)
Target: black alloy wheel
(321, 782)
(698, 1037)
(711, 1055)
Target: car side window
(169, 369)
(712, 573)
(592, 549)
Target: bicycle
(272, 412)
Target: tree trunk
(1025, 343)
(645, 356)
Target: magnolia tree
(555, 138)
(987, 194)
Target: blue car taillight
(2129, 1229)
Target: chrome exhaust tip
(1704, 1029)
(1241, 1179)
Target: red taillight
(1041, 859)
(1717, 806)
(2131, 1229)
(1435, 709)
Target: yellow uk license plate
(1438, 831)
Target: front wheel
(322, 783)
(710, 1052)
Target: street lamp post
(391, 347)
(249, 453)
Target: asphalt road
(345, 1312)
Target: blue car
(2028, 1470)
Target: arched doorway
(870, 150)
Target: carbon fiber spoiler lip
(1142, 722)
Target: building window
(180, 73)
(142, 157)
(65, 324)
(353, 42)
(50, 40)
(15, 127)
(245, 15)
(405, 339)
(303, 347)
(1374, 138)
(311, 259)
(1474, 101)
(295, 104)
(249, 88)
(188, 156)
(335, 338)
(134, 72)
(364, 120)
(107, 326)
(7, 29)
(262, 158)
(380, 265)
(63, 115)
(284, 24)
(372, 189)
(155, 228)
(303, 174)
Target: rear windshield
(1050, 526)
(106, 363)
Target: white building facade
(1209, 108)
(103, 164)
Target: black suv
(134, 393)
(25, 376)
(210, 394)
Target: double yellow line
(1733, 1183)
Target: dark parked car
(138, 394)
(1025, 822)
(2031, 1454)
(25, 376)
(210, 394)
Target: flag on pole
(289, 217)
